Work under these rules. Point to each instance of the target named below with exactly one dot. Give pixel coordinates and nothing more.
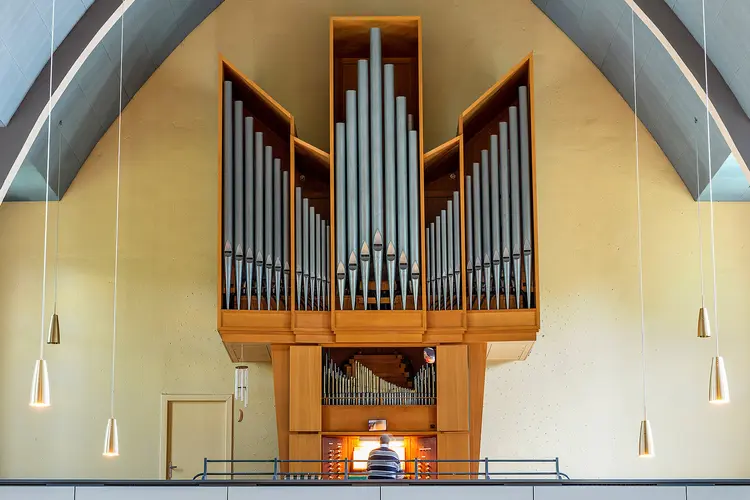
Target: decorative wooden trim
(477, 375)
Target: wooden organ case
(285, 287)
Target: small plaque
(376, 425)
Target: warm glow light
(40, 386)
(365, 446)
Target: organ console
(344, 265)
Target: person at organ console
(383, 462)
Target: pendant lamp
(40, 397)
(645, 439)
(111, 440)
(718, 385)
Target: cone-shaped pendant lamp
(704, 326)
(646, 439)
(111, 439)
(718, 391)
(53, 336)
(40, 383)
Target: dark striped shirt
(383, 463)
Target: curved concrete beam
(18, 136)
(687, 53)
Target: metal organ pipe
(449, 240)
(340, 186)
(227, 190)
(363, 130)
(477, 211)
(495, 214)
(319, 236)
(469, 239)
(277, 228)
(249, 208)
(313, 250)
(402, 201)
(268, 228)
(505, 209)
(389, 151)
(457, 246)
(486, 224)
(298, 243)
(351, 192)
(259, 230)
(414, 226)
(376, 158)
(444, 256)
(515, 209)
(306, 251)
(285, 234)
(238, 205)
(523, 106)
(438, 261)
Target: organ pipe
(457, 247)
(259, 215)
(495, 214)
(298, 244)
(249, 175)
(268, 228)
(238, 205)
(515, 202)
(363, 130)
(449, 239)
(505, 209)
(285, 234)
(477, 211)
(389, 151)
(523, 106)
(277, 252)
(402, 200)
(414, 225)
(469, 210)
(486, 263)
(227, 190)
(351, 192)
(340, 186)
(376, 158)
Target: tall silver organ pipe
(515, 202)
(239, 255)
(430, 269)
(402, 201)
(277, 229)
(352, 201)
(313, 250)
(376, 158)
(268, 231)
(389, 152)
(523, 122)
(319, 237)
(298, 244)
(444, 256)
(259, 231)
(486, 244)
(449, 240)
(249, 176)
(306, 253)
(414, 225)
(363, 130)
(457, 246)
(505, 209)
(495, 215)
(228, 175)
(468, 211)
(285, 235)
(340, 186)
(477, 211)
(439, 261)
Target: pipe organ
(338, 263)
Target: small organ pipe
(277, 252)
(285, 235)
(486, 244)
(469, 210)
(227, 174)
(523, 106)
(430, 265)
(495, 214)
(515, 204)
(352, 203)
(457, 246)
(268, 233)
(505, 209)
(313, 250)
(319, 236)
(239, 238)
(449, 246)
(340, 265)
(438, 261)
(259, 230)
(306, 252)
(477, 210)
(414, 226)
(327, 267)
(444, 256)
(298, 237)
(249, 176)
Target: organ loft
(380, 277)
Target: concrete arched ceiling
(670, 94)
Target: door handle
(170, 468)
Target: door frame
(227, 399)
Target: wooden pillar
(477, 373)
(452, 408)
(280, 363)
(305, 372)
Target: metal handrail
(277, 474)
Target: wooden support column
(453, 408)
(477, 374)
(305, 372)
(280, 362)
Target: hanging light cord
(638, 197)
(46, 191)
(698, 203)
(117, 220)
(57, 215)
(710, 177)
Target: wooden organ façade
(342, 266)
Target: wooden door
(196, 429)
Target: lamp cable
(57, 214)
(638, 198)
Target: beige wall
(578, 394)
